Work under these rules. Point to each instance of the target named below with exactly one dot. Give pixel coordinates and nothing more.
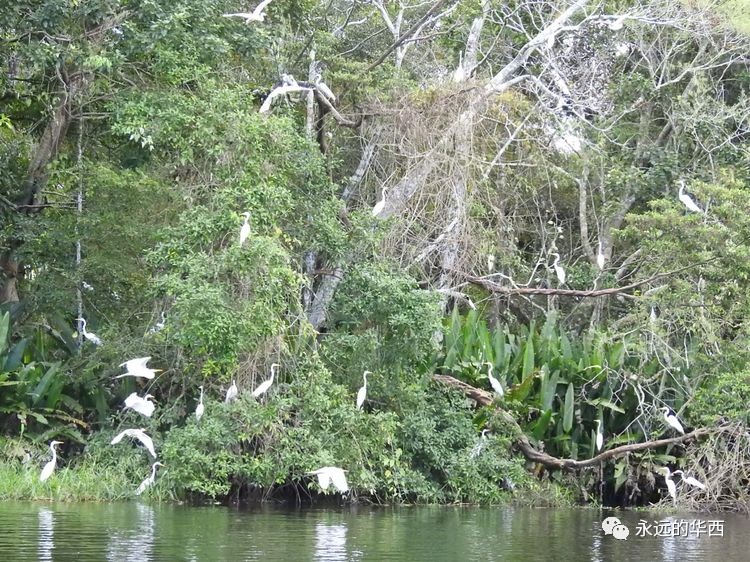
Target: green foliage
(725, 397)
(560, 384)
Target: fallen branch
(484, 398)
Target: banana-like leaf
(602, 403)
(528, 357)
(44, 382)
(569, 409)
(539, 429)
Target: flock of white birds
(143, 405)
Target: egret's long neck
(364, 375)
(201, 395)
(83, 325)
(54, 453)
(153, 472)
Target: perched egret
(245, 230)
(671, 488)
(265, 385)
(618, 24)
(137, 368)
(671, 418)
(494, 383)
(149, 480)
(329, 474)
(139, 434)
(600, 259)
(362, 393)
(380, 205)
(599, 435)
(551, 41)
(690, 480)
(687, 200)
(232, 393)
(159, 326)
(652, 317)
(475, 452)
(140, 405)
(49, 468)
(256, 15)
(200, 408)
(559, 271)
(93, 338)
(459, 75)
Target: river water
(140, 532)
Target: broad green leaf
(569, 409)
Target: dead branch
(485, 398)
(495, 288)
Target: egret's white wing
(138, 362)
(145, 484)
(324, 480)
(262, 388)
(280, 91)
(339, 479)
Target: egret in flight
(245, 229)
(199, 408)
(559, 271)
(137, 368)
(687, 200)
(671, 488)
(49, 468)
(140, 435)
(671, 418)
(141, 405)
(232, 393)
(93, 338)
(690, 480)
(599, 435)
(362, 393)
(149, 480)
(256, 15)
(380, 205)
(494, 383)
(329, 474)
(265, 385)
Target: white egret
(559, 271)
(140, 405)
(265, 385)
(600, 259)
(362, 393)
(245, 229)
(671, 418)
(256, 15)
(159, 326)
(599, 435)
(494, 383)
(480, 445)
(49, 468)
(86, 286)
(137, 368)
(149, 480)
(93, 338)
(329, 474)
(199, 409)
(671, 488)
(652, 317)
(380, 205)
(687, 200)
(459, 75)
(140, 435)
(618, 24)
(232, 393)
(690, 480)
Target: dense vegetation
(505, 140)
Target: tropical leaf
(569, 409)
